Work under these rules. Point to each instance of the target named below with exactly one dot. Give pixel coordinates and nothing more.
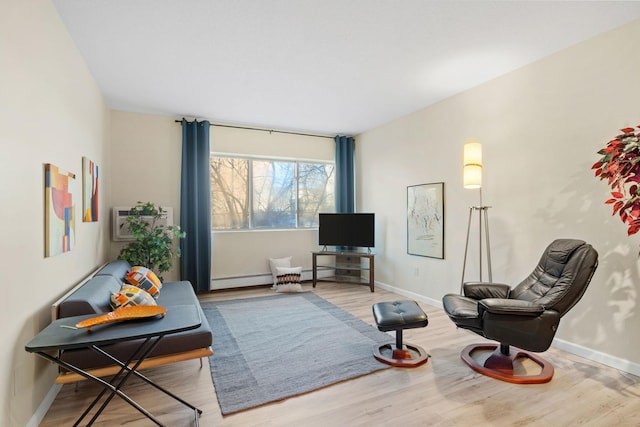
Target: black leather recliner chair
(526, 316)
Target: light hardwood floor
(444, 392)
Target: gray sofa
(93, 297)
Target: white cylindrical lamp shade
(472, 177)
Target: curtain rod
(266, 130)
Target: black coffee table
(60, 335)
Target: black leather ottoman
(397, 316)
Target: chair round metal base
(500, 366)
(409, 356)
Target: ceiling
(318, 66)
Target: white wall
(51, 112)
(146, 153)
(541, 127)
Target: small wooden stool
(397, 316)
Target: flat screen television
(347, 229)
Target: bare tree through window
(229, 193)
(274, 197)
(316, 192)
(265, 193)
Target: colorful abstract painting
(89, 191)
(59, 210)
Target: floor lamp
(473, 179)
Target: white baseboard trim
(597, 356)
(589, 354)
(421, 298)
(44, 406)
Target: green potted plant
(153, 245)
(619, 166)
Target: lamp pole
(473, 179)
(483, 218)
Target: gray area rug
(270, 348)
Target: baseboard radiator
(261, 279)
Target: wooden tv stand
(348, 267)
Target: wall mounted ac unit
(120, 227)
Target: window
(248, 193)
(229, 193)
(316, 192)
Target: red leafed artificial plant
(620, 167)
